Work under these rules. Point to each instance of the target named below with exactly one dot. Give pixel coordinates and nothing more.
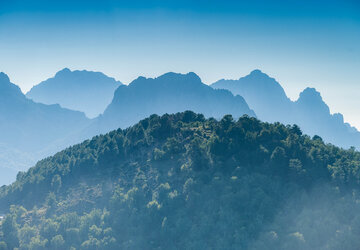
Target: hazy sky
(300, 43)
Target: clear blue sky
(300, 43)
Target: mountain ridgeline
(29, 130)
(185, 182)
(86, 91)
(169, 93)
(270, 103)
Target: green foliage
(3, 245)
(56, 183)
(10, 229)
(183, 182)
(57, 242)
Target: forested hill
(185, 182)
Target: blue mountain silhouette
(29, 130)
(268, 99)
(86, 91)
(169, 93)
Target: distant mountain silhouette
(268, 99)
(86, 91)
(29, 130)
(313, 115)
(169, 93)
(262, 93)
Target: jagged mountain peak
(74, 76)
(4, 78)
(258, 73)
(169, 78)
(270, 103)
(312, 100)
(7, 88)
(81, 90)
(63, 72)
(191, 76)
(259, 78)
(261, 92)
(255, 80)
(310, 93)
(169, 93)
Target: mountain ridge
(29, 127)
(168, 93)
(82, 90)
(309, 111)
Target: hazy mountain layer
(269, 101)
(183, 182)
(169, 93)
(41, 129)
(86, 91)
(29, 130)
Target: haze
(301, 44)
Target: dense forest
(185, 182)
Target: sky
(299, 43)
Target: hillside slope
(28, 130)
(185, 182)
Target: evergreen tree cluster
(185, 182)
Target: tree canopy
(185, 182)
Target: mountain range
(270, 103)
(181, 181)
(40, 130)
(86, 91)
(30, 130)
(169, 93)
